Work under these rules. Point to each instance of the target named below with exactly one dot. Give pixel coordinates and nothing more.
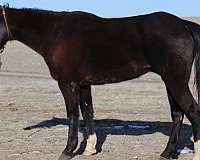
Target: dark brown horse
(82, 49)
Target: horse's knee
(177, 116)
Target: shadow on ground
(106, 127)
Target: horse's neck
(28, 29)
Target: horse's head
(4, 31)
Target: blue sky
(114, 8)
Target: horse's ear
(6, 5)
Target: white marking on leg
(196, 150)
(91, 145)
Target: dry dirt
(30, 98)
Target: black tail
(195, 32)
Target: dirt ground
(132, 118)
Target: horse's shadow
(106, 127)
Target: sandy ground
(30, 98)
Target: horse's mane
(36, 11)
(42, 11)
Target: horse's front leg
(88, 115)
(71, 96)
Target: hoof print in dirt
(65, 157)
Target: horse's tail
(195, 32)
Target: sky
(113, 8)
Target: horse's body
(82, 49)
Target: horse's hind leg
(177, 118)
(71, 96)
(88, 115)
(183, 97)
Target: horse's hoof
(162, 158)
(167, 155)
(89, 152)
(65, 157)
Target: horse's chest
(61, 67)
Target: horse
(82, 49)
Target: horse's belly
(115, 75)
